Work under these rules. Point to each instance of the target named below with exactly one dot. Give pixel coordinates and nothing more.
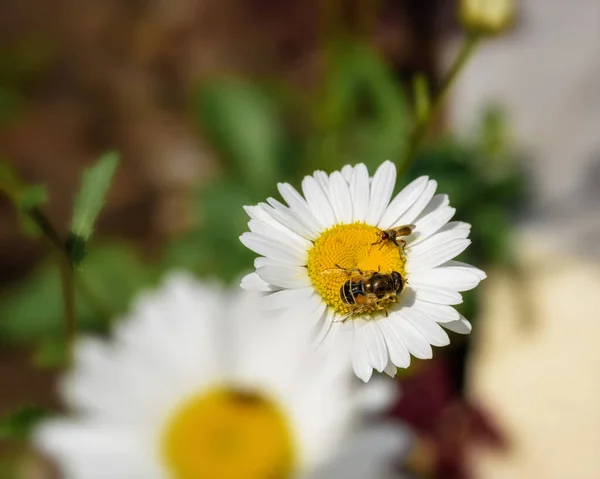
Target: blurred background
(212, 102)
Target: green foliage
(32, 310)
(88, 203)
(19, 423)
(242, 121)
(24, 197)
(364, 116)
(214, 249)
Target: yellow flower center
(228, 434)
(346, 248)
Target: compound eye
(398, 282)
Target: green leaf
(88, 203)
(32, 196)
(18, 424)
(364, 117)
(242, 122)
(24, 197)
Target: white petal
(472, 269)
(455, 226)
(323, 181)
(297, 243)
(419, 205)
(340, 198)
(437, 256)
(375, 343)
(399, 354)
(347, 171)
(318, 201)
(428, 328)
(260, 215)
(360, 358)
(298, 205)
(440, 313)
(261, 261)
(360, 192)
(272, 249)
(315, 308)
(285, 277)
(92, 450)
(436, 295)
(452, 231)
(287, 217)
(253, 282)
(287, 298)
(416, 343)
(461, 326)
(457, 278)
(325, 325)
(438, 201)
(403, 200)
(382, 188)
(431, 224)
(391, 370)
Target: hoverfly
(394, 235)
(370, 290)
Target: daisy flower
(316, 251)
(194, 385)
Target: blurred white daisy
(316, 250)
(195, 384)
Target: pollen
(346, 248)
(227, 434)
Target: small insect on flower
(394, 235)
(371, 290)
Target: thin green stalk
(67, 275)
(68, 291)
(422, 127)
(46, 227)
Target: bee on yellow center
(347, 250)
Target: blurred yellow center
(228, 434)
(344, 248)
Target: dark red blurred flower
(431, 403)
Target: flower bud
(486, 17)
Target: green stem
(46, 227)
(67, 275)
(68, 290)
(422, 127)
